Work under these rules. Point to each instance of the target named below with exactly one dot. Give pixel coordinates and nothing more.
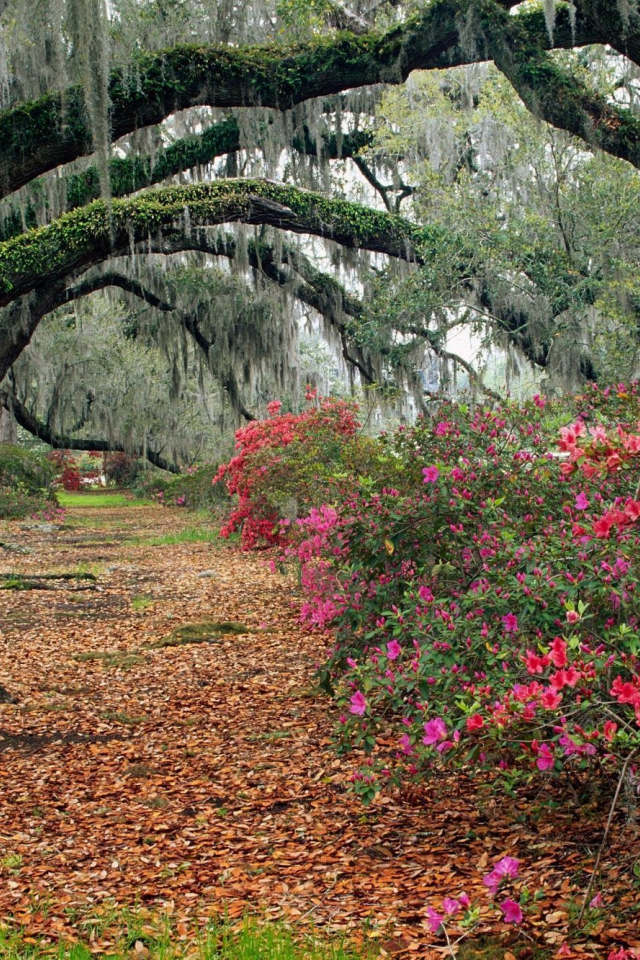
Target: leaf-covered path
(200, 779)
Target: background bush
(25, 481)
(193, 490)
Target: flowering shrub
(288, 463)
(120, 468)
(481, 580)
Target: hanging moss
(94, 233)
(132, 173)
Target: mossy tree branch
(554, 94)
(29, 422)
(40, 135)
(131, 174)
(43, 264)
(98, 232)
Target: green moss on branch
(96, 232)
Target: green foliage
(193, 490)
(20, 466)
(25, 479)
(196, 490)
(526, 201)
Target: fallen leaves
(200, 778)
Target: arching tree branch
(98, 232)
(130, 174)
(40, 135)
(43, 432)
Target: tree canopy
(183, 182)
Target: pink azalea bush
(481, 578)
(479, 573)
(289, 463)
(482, 610)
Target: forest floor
(199, 779)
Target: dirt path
(200, 778)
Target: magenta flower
(435, 730)
(434, 920)
(581, 502)
(546, 758)
(510, 622)
(450, 906)
(507, 867)
(393, 650)
(358, 704)
(512, 911)
(430, 474)
(492, 880)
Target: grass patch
(136, 935)
(207, 631)
(121, 716)
(120, 659)
(71, 499)
(141, 603)
(490, 949)
(188, 535)
(272, 735)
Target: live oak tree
(422, 188)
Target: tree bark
(8, 427)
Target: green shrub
(20, 466)
(25, 481)
(149, 483)
(194, 490)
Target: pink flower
(510, 622)
(596, 902)
(572, 616)
(450, 906)
(425, 594)
(546, 758)
(550, 699)
(507, 867)
(581, 502)
(434, 920)
(534, 663)
(435, 730)
(512, 911)
(358, 704)
(602, 527)
(393, 650)
(430, 474)
(492, 880)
